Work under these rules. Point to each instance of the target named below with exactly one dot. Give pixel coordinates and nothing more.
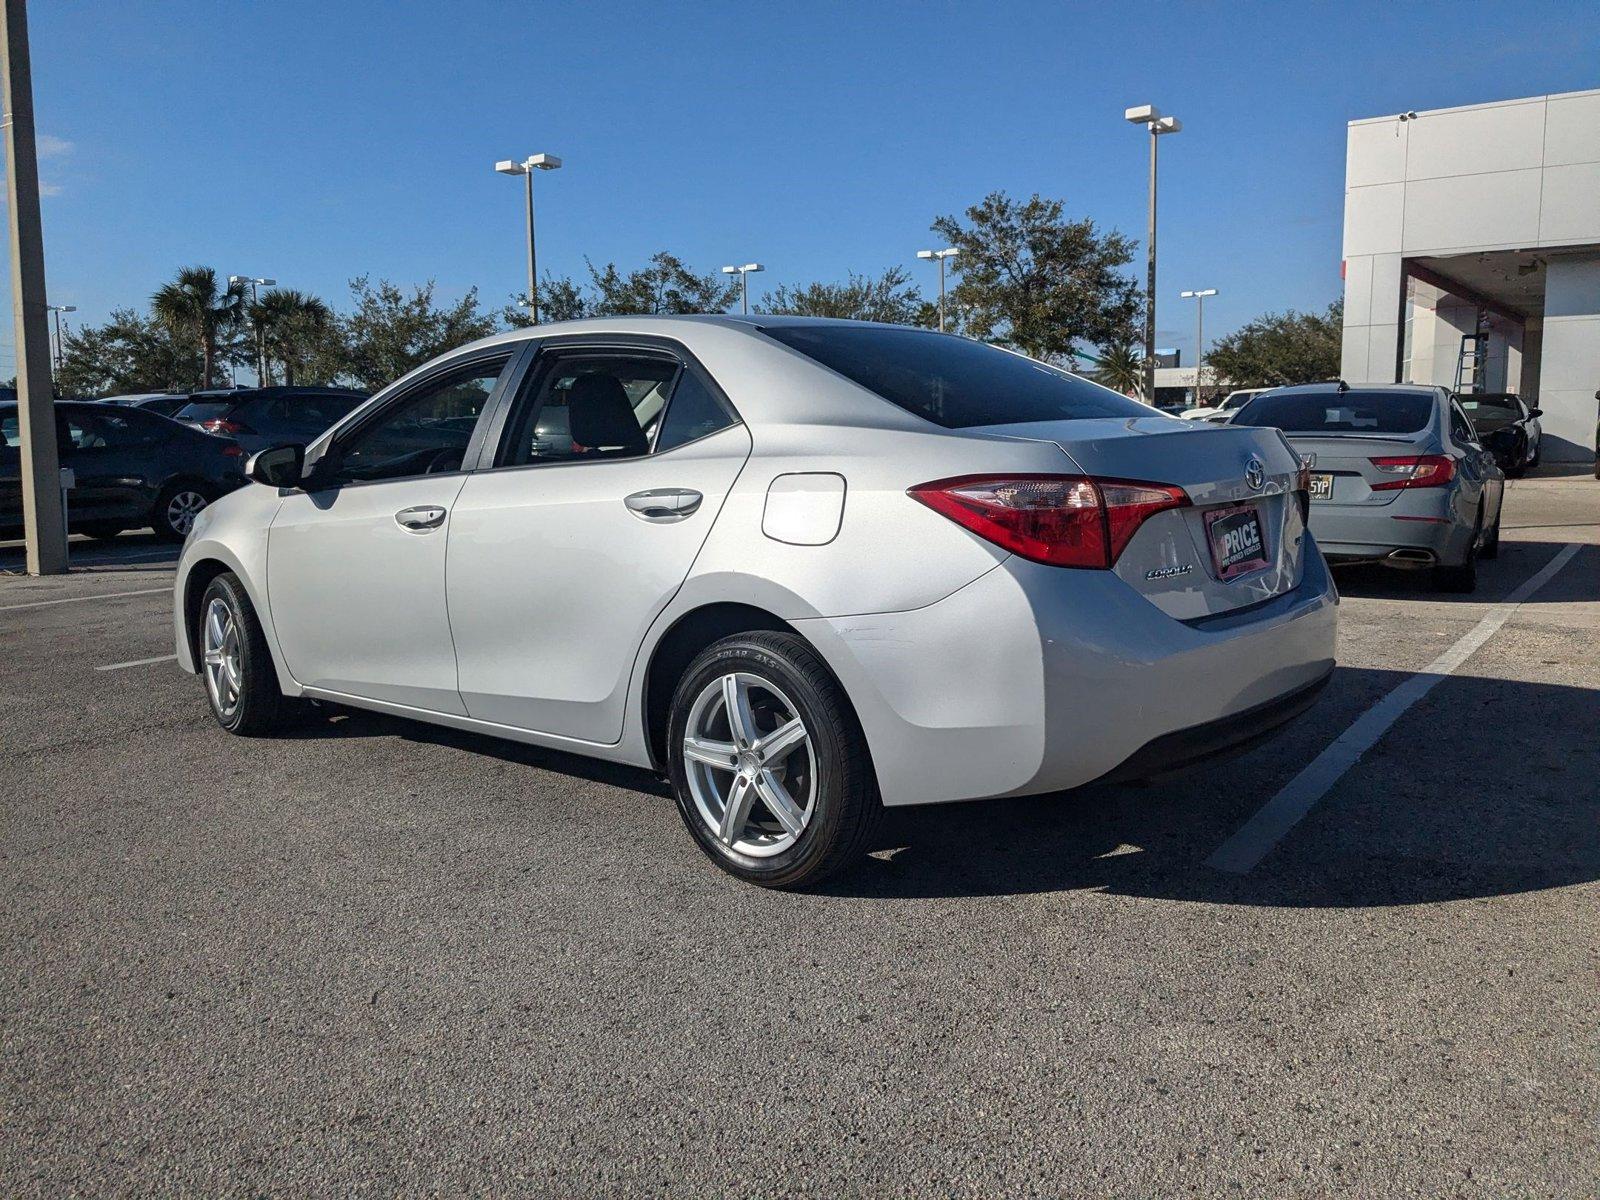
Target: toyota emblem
(1255, 474)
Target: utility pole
(744, 282)
(43, 513)
(262, 372)
(1199, 299)
(57, 310)
(1150, 117)
(526, 168)
(941, 255)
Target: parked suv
(260, 417)
(130, 469)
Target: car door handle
(663, 504)
(420, 519)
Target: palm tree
(194, 306)
(1119, 367)
(289, 324)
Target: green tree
(390, 332)
(300, 333)
(195, 306)
(665, 286)
(1034, 280)
(560, 299)
(1120, 367)
(890, 297)
(1280, 348)
(129, 353)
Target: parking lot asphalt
(374, 957)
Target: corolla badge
(1255, 474)
(1169, 572)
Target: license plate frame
(1230, 562)
(1321, 485)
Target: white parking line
(138, 662)
(83, 599)
(1262, 832)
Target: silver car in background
(803, 568)
(1398, 475)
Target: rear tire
(1491, 544)
(797, 817)
(241, 681)
(100, 531)
(1462, 579)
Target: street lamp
(744, 282)
(58, 309)
(261, 350)
(1199, 299)
(1150, 117)
(941, 255)
(526, 168)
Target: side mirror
(1536, 412)
(281, 466)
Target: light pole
(1199, 299)
(526, 168)
(58, 309)
(744, 282)
(941, 255)
(261, 349)
(1150, 117)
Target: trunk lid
(1348, 459)
(1170, 560)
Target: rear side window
(953, 381)
(1339, 412)
(693, 413)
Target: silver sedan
(1398, 475)
(805, 569)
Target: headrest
(600, 415)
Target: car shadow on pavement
(1519, 560)
(1486, 787)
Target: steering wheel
(446, 458)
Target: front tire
(768, 763)
(176, 509)
(241, 681)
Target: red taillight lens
(224, 426)
(233, 450)
(1414, 471)
(1061, 520)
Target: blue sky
(314, 142)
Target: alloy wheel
(751, 767)
(220, 658)
(182, 510)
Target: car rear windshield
(1490, 406)
(205, 410)
(1339, 412)
(952, 381)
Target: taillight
(1061, 520)
(1414, 471)
(222, 425)
(233, 450)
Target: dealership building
(1472, 255)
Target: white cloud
(50, 146)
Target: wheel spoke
(214, 625)
(736, 699)
(780, 803)
(723, 755)
(773, 748)
(737, 809)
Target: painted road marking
(1258, 836)
(82, 599)
(138, 662)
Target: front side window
(953, 381)
(589, 406)
(424, 433)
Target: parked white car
(804, 568)
(1230, 404)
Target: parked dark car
(131, 469)
(166, 404)
(1507, 427)
(258, 418)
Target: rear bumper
(1412, 522)
(1037, 679)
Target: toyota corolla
(805, 569)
